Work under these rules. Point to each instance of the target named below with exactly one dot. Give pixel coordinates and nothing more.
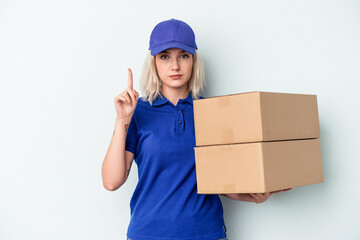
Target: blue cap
(172, 33)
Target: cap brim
(165, 46)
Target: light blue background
(63, 62)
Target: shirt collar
(160, 100)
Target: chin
(180, 86)
(176, 85)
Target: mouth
(175, 76)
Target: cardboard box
(255, 117)
(258, 167)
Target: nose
(175, 66)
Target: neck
(173, 95)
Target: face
(174, 67)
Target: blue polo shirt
(165, 204)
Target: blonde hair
(150, 82)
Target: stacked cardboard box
(257, 142)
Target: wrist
(122, 124)
(123, 120)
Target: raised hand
(125, 103)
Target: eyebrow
(166, 51)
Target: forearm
(114, 172)
(240, 197)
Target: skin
(172, 62)
(117, 163)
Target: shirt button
(183, 102)
(179, 111)
(179, 122)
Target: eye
(164, 57)
(185, 56)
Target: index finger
(130, 79)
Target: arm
(240, 197)
(117, 162)
(252, 197)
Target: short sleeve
(132, 137)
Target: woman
(157, 131)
